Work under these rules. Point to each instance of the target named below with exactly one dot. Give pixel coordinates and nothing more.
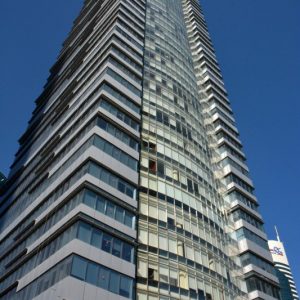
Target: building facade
(288, 289)
(130, 181)
(237, 186)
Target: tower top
(277, 234)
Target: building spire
(277, 234)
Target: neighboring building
(131, 171)
(288, 289)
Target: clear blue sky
(258, 47)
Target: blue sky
(257, 44)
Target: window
(183, 280)
(173, 277)
(127, 252)
(103, 278)
(152, 147)
(171, 222)
(163, 242)
(211, 261)
(153, 239)
(249, 258)
(116, 132)
(126, 287)
(159, 116)
(96, 238)
(114, 282)
(119, 114)
(112, 180)
(142, 269)
(175, 175)
(189, 252)
(201, 295)
(79, 267)
(158, 90)
(149, 146)
(152, 166)
(120, 97)
(164, 274)
(92, 273)
(106, 242)
(190, 185)
(93, 170)
(172, 246)
(178, 126)
(121, 187)
(143, 236)
(119, 214)
(124, 82)
(115, 152)
(110, 210)
(228, 276)
(100, 204)
(192, 283)
(152, 274)
(162, 214)
(130, 192)
(48, 279)
(117, 246)
(196, 188)
(129, 218)
(160, 168)
(180, 248)
(208, 296)
(179, 224)
(152, 211)
(89, 199)
(84, 233)
(243, 233)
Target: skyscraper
(130, 180)
(288, 289)
(238, 188)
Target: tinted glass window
(106, 243)
(92, 273)
(119, 214)
(96, 238)
(114, 282)
(128, 219)
(84, 232)
(103, 278)
(89, 199)
(127, 252)
(110, 210)
(117, 246)
(100, 204)
(125, 287)
(79, 268)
